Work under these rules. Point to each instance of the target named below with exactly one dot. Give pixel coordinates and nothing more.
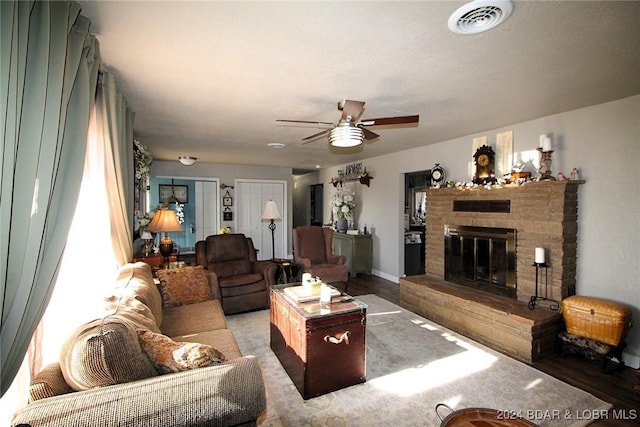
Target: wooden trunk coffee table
(322, 347)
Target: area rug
(412, 365)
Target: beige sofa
(122, 369)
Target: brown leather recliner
(312, 249)
(242, 279)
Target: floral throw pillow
(180, 286)
(170, 356)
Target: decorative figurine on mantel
(485, 165)
(575, 174)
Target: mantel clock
(437, 175)
(485, 165)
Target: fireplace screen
(481, 257)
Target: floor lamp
(272, 214)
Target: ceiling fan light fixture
(479, 16)
(187, 160)
(346, 135)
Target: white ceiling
(209, 79)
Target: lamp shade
(165, 220)
(346, 135)
(271, 211)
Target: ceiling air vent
(479, 16)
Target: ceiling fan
(350, 130)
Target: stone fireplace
(543, 214)
(476, 222)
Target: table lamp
(165, 220)
(147, 238)
(271, 214)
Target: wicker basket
(596, 318)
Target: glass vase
(341, 225)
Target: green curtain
(49, 68)
(117, 130)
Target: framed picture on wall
(227, 215)
(227, 200)
(180, 192)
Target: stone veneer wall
(544, 214)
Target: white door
(251, 197)
(207, 212)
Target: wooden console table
(357, 248)
(322, 347)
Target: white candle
(547, 144)
(306, 279)
(539, 255)
(325, 294)
(542, 137)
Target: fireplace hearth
(482, 258)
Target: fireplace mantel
(544, 214)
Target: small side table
(288, 271)
(154, 261)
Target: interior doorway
(316, 207)
(207, 221)
(200, 207)
(415, 211)
(251, 198)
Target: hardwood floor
(615, 387)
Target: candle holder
(545, 165)
(555, 306)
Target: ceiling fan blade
(305, 121)
(316, 135)
(390, 121)
(353, 109)
(368, 135)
